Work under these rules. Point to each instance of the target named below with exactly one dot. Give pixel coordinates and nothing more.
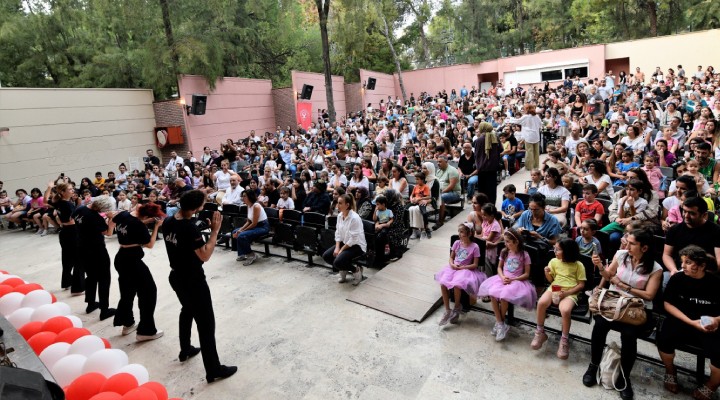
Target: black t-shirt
(680, 236)
(513, 142)
(694, 297)
(130, 230)
(90, 226)
(182, 238)
(64, 210)
(466, 165)
(273, 197)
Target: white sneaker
(423, 235)
(129, 329)
(44, 233)
(494, 330)
(502, 332)
(357, 276)
(39, 232)
(145, 338)
(342, 277)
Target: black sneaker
(437, 226)
(106, 313)
(627, 393)
(428, 233)
(91, 307)
(222, 372)
(590, 377)
(188, 354)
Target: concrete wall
(689, 49)
(319, 99)
(384, 87)
(75, 131)
(234, 108)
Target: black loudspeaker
(199, 101)
(371, 83)
(306, 93)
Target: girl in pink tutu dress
(461, 273)
(511, 284)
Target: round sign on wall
(162, 138)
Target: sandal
(671, 383)
(703, 393)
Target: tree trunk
(425, 45)
(388, 35)
(652, 15)
(169, 36)
(421, 26)
(323, 11)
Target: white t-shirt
(554, 197)
(223, 180)
(288, 204)
(609, 191)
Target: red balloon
(27, 288)
(107, 343)
(5, 289)
(30, 329)
(52, 296)
(85, 386)
(140, 394)
(42, 340)
(57, 324)
(13, 282)
(157, 388)
(70, 335)
(4, 272)
(120, 383)
(106, 396)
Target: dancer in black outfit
(73, 276)
(93, 255)
(134, 277)
(187, 252)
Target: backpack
(610, 367)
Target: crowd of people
(632, 156)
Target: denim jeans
(450, 198)
(245, 238)
(472, 181)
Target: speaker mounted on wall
(371, 83)
(199, 103)
(306, 92)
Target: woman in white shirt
(222, 181)
(358, 179)
(557, 198)
(349, 241)
(399, 183)
(255, 227)
(530, 132)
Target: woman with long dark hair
(134, 277)
(73, 276)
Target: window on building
(582, 72)
(554, 75)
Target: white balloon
(37, 298)
(63, 307)
(10, 302)
(6, 277)
(76, 321)
(138, 371)
(87, 345)
(68, 368)
(54, 353)
(45, 312)
(20, 317)
(107, 362)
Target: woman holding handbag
(633, 273)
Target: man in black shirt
(187, 251)
(150, 159)
(697, 229)
(317, 200)
(466, 168)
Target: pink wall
(234, 108)
(433, 80)
(319, 99)
(384, 87)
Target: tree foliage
(125, 43)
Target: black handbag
(23, 384)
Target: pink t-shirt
(655, 177)
(515, 263)
(465, 255)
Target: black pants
(134, 278)
(194, 294)
(674, 332)
(73, 275)
(487, 183)
(628, 337)
(343, 262)
(96, 261)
